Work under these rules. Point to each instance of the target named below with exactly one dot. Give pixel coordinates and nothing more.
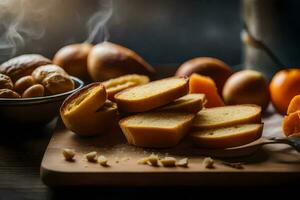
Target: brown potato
(107, 60)
(247, 87)
(40, 73)
(36, 90)
(73, 59)
(23, 83)
(212, 67)
(5, 82)
(57, 83)
(7, 93)
(22, 65)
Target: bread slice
(227, 116)
(152, 95)
(115, 85)
(156, 129)
(89, 99)
(189, 103)
(227, 137)
(87, 112)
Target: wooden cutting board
(271, 164)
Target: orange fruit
(284, 86)
(291, 124)
(206, 85)
(294, 105)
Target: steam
(97, 28)
(25, 21)
(20, 21)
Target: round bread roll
(73, 59)
(212, 67)
(23, 83)
(22, 65)
(107, 60)
(40, 73)
(7, 93)
(5, 82)
(87, 112)
(36, 90)
(57, 83)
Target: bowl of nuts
(32, 89)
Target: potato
(22, 65)
(5, 82)
(7, 93)
(36, 90)
(212, 67)
(23, 83)
(107, 60)
(247, 87)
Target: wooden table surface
(21, 152)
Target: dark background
(166, 31)
(163, 32)
(173, 31)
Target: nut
(91, 156)
(36, 90)
(183, 162)
(5, 82)
(168, 161)
(23, 83)
(68, 154)
(7, 93)
(153, 160)
(208, 162)
(102, 160)
(143, 161)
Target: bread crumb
(153, 160)
(234, 165)
(143, 161)
(91, 156)
(168, 161)
(102, 160)
(69, 154)
(208, 162)
(183, 162)
(125, 159)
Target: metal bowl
(33, 111)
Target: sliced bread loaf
(152, 95)
(227, 137)
(115, 85)
(227, 116)
(189, 103)
(156, 129)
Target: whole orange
(284, 86)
